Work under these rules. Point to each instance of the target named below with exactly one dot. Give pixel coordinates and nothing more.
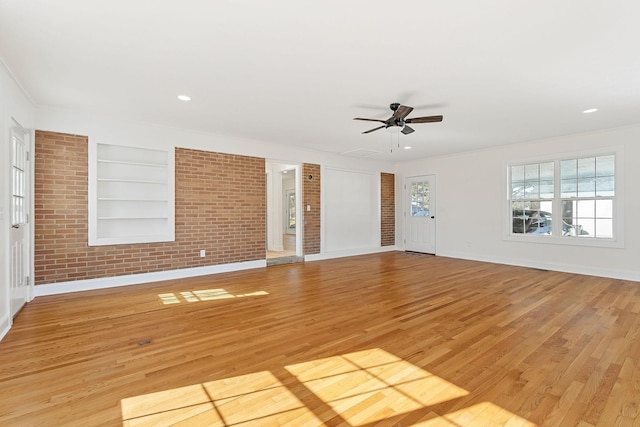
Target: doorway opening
(284, 241)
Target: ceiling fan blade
(370, 120)
(402, 112)
(407, 130)
(371, 130)
(428, 119)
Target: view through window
(578, 193)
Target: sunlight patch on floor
(204, 295)
(354, 389)
(351, 380)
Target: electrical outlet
(203, 253)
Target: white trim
(348, 253)
(135, 279)
(553, 266)
(5, 325)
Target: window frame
(617, 241)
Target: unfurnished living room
(246, 213)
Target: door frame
(406, 202)
(275, 201)
(28, 137)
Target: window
(532, 198)
(18, 180)
(420, 198)
(578, 193)
(587, 190)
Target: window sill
(567, 241)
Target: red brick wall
(388, 209)
(311, 197)
(220, 207)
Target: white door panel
(419, 214)
(19, 234)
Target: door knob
(432, 217)
(15, 226)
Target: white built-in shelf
(131, 192)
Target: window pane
(585, 227)
(604, 228)
(586, 187)
(518, 219)
(546, 171)
(605, 186)
(587, 167)
(531, 189)
(604, 208)
(569, 188)
(568, 169)
(517, 190)
(517, 173)
(605, 166)
(586, 208)
(569, 213)
(531, 172)
(420, 198)
(546, 189)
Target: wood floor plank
(383, 339)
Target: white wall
(471, 191)
(115, 130)
(351, 210)
(13, 105)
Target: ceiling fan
(400, 112)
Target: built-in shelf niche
(131, 195)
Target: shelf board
(124, 162)
(132, 181)
(108, 199)
(120, 218)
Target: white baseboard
(553, 266)
(5, 325)
(351, 252)
(134, 279)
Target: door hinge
(27, 154)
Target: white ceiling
(298, 72)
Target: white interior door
(420, 214)
(19, 234)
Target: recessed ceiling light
(407, 147)
(184, 98)
(590, 110)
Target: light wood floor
(386, 339)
